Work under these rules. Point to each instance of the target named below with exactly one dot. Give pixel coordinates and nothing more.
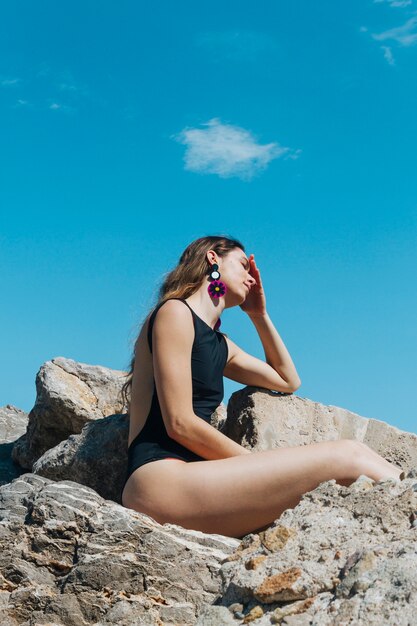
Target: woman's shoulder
(172, 313)
(172, 307)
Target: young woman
(176, 379)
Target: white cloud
(65, 82)
(48, 89)
(404, 35)
(227, 150)
(396, 3)
(9, 82)
(58, 106)
(388, 56)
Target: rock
(341, 553)
(260, 419)
(69, 395)
(70, 554)
(218, 418)
(67, 556)
(97, 457)
(13, 423)
(215, 616)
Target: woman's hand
(255, 303)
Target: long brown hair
(183, 281)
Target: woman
(216, 485)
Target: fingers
(253, 263)
(254, 272)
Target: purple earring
(216, 288)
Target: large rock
(343, 555)
(260, 419)
(69, 395)
(97, 457)
(69, 557)
(13, 423)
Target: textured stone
(13, 423)
(350, 557)
(261, 419)
(68, 395)
(71, 557)
(69, 554)
(84, 458)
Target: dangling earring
(216, 288)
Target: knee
(354, 454)
(353, 446)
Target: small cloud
(403, 35)
(67, 83)
(396, 3)
(388, 55)
(294, 154)
(21, 103)
(363, 29)
(227, 150)
(58, 106)
(9, 82)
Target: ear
(212, 257)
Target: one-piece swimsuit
(208, 360)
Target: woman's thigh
(239, 494)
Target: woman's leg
(240, 494)
(378, 467)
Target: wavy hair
(181, 282)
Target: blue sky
(129, 130)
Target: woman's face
(234, 273)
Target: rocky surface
(343, 555)
(13, 423)
(260, 419)
(96, 457)
(67, 556)
(68, 396)
(70, 554)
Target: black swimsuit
(208, 360)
